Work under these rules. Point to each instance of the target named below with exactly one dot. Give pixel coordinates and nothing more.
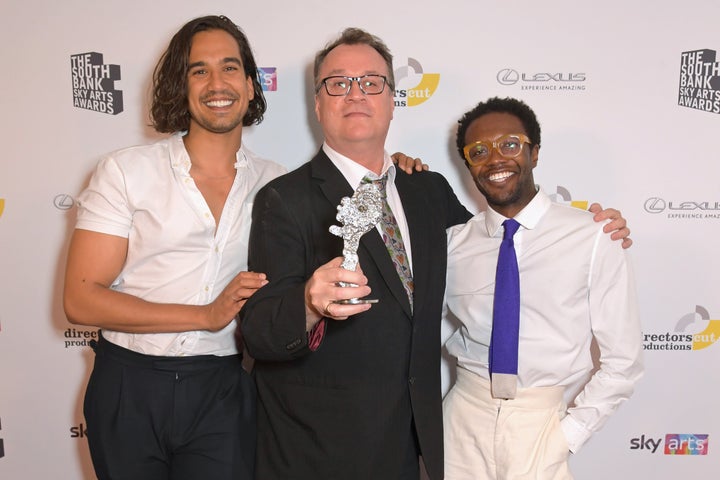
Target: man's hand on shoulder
(408, 164)
(617, 225)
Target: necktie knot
(511, 227)
(380, 182)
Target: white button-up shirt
(176, 252)
(575, 283)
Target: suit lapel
(416, 213)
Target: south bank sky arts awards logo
(700, 80)
(412, 85)
(93, 84)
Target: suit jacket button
(411, 380)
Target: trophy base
(356, 301)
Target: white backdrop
(604, 78)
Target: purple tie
(506, 318)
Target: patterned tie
(393, 239)
(506, 318)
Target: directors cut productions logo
(93, 84)
(268, 78)
(79, 338)
(423, 85)
(675, 444)
(543, 81)
(700, 80)
(562, 195)
(689, 333)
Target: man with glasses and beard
(532, 283)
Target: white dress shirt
(354, 173)
(575, 282)
(176, 252)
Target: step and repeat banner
(627, 93)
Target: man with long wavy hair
(158, 262)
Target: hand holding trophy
(358, 214)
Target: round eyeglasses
(339, 86)
(509, 146)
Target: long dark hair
(169, 110)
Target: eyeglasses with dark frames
(339, 85)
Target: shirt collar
(354, 172)
(181, 159)
(528, 217)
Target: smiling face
(355, 120)
(507, 183)
(218, 89)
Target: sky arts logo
(2, 206)
(700, 80)
(412, 86)
(684, 209)
(552, 81)
(689, 333)
(268, 78)
(78, 431)
(675, 444)
(94, 84)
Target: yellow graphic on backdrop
(2, 206)
(424, 90)
(708, 336)
(421, 92)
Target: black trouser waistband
(192, 363)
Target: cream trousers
(493, 439)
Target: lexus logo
(508, 76)
(63, 202)
(654, 205)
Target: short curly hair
(509, 105)
(169, 110)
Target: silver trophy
(358, 215)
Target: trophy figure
(358, 214)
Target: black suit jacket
(351, 408)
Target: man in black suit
(349, 391)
